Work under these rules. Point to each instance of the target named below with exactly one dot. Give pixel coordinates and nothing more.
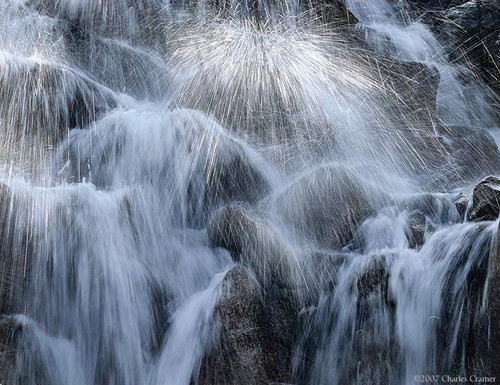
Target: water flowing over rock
(326, 205)
(252, 241)
(218, 168)
(249, 191)
(15, 249)
(469, 30)
(10, 331)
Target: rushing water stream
(125, 125)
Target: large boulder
(411, 87)
(184, 153)
(256, 334)
(325, 206)
(50, 99)
(252, 241)
(139, 73)
(485, 200)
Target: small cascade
(211, 192)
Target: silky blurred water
(125, 125)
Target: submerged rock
(485, 200)
(325, 206)
(256, 334)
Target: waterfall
(459, 102)
(210, 192)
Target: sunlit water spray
(130, 124)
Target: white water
(459, 103)
(130, 124)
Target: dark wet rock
(52, 99)
(435, 208)
(416, 222)
(333, 12)
(468, 30)
(374, 279)
(472, 151)
(473, 30)
(233, 179)
(110, 18)
(15, 252)
(326, 206)
(8, 269)
(489, 350)
(10, 331)
(426, 203)
(374, 354)
(133, 71)
(415, 83)
(256, 334)
(251, 240)
(485, 200)
(462, 203)
(161, 301)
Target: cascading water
(149, 146)
(458, 102)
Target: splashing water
(125, 126)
